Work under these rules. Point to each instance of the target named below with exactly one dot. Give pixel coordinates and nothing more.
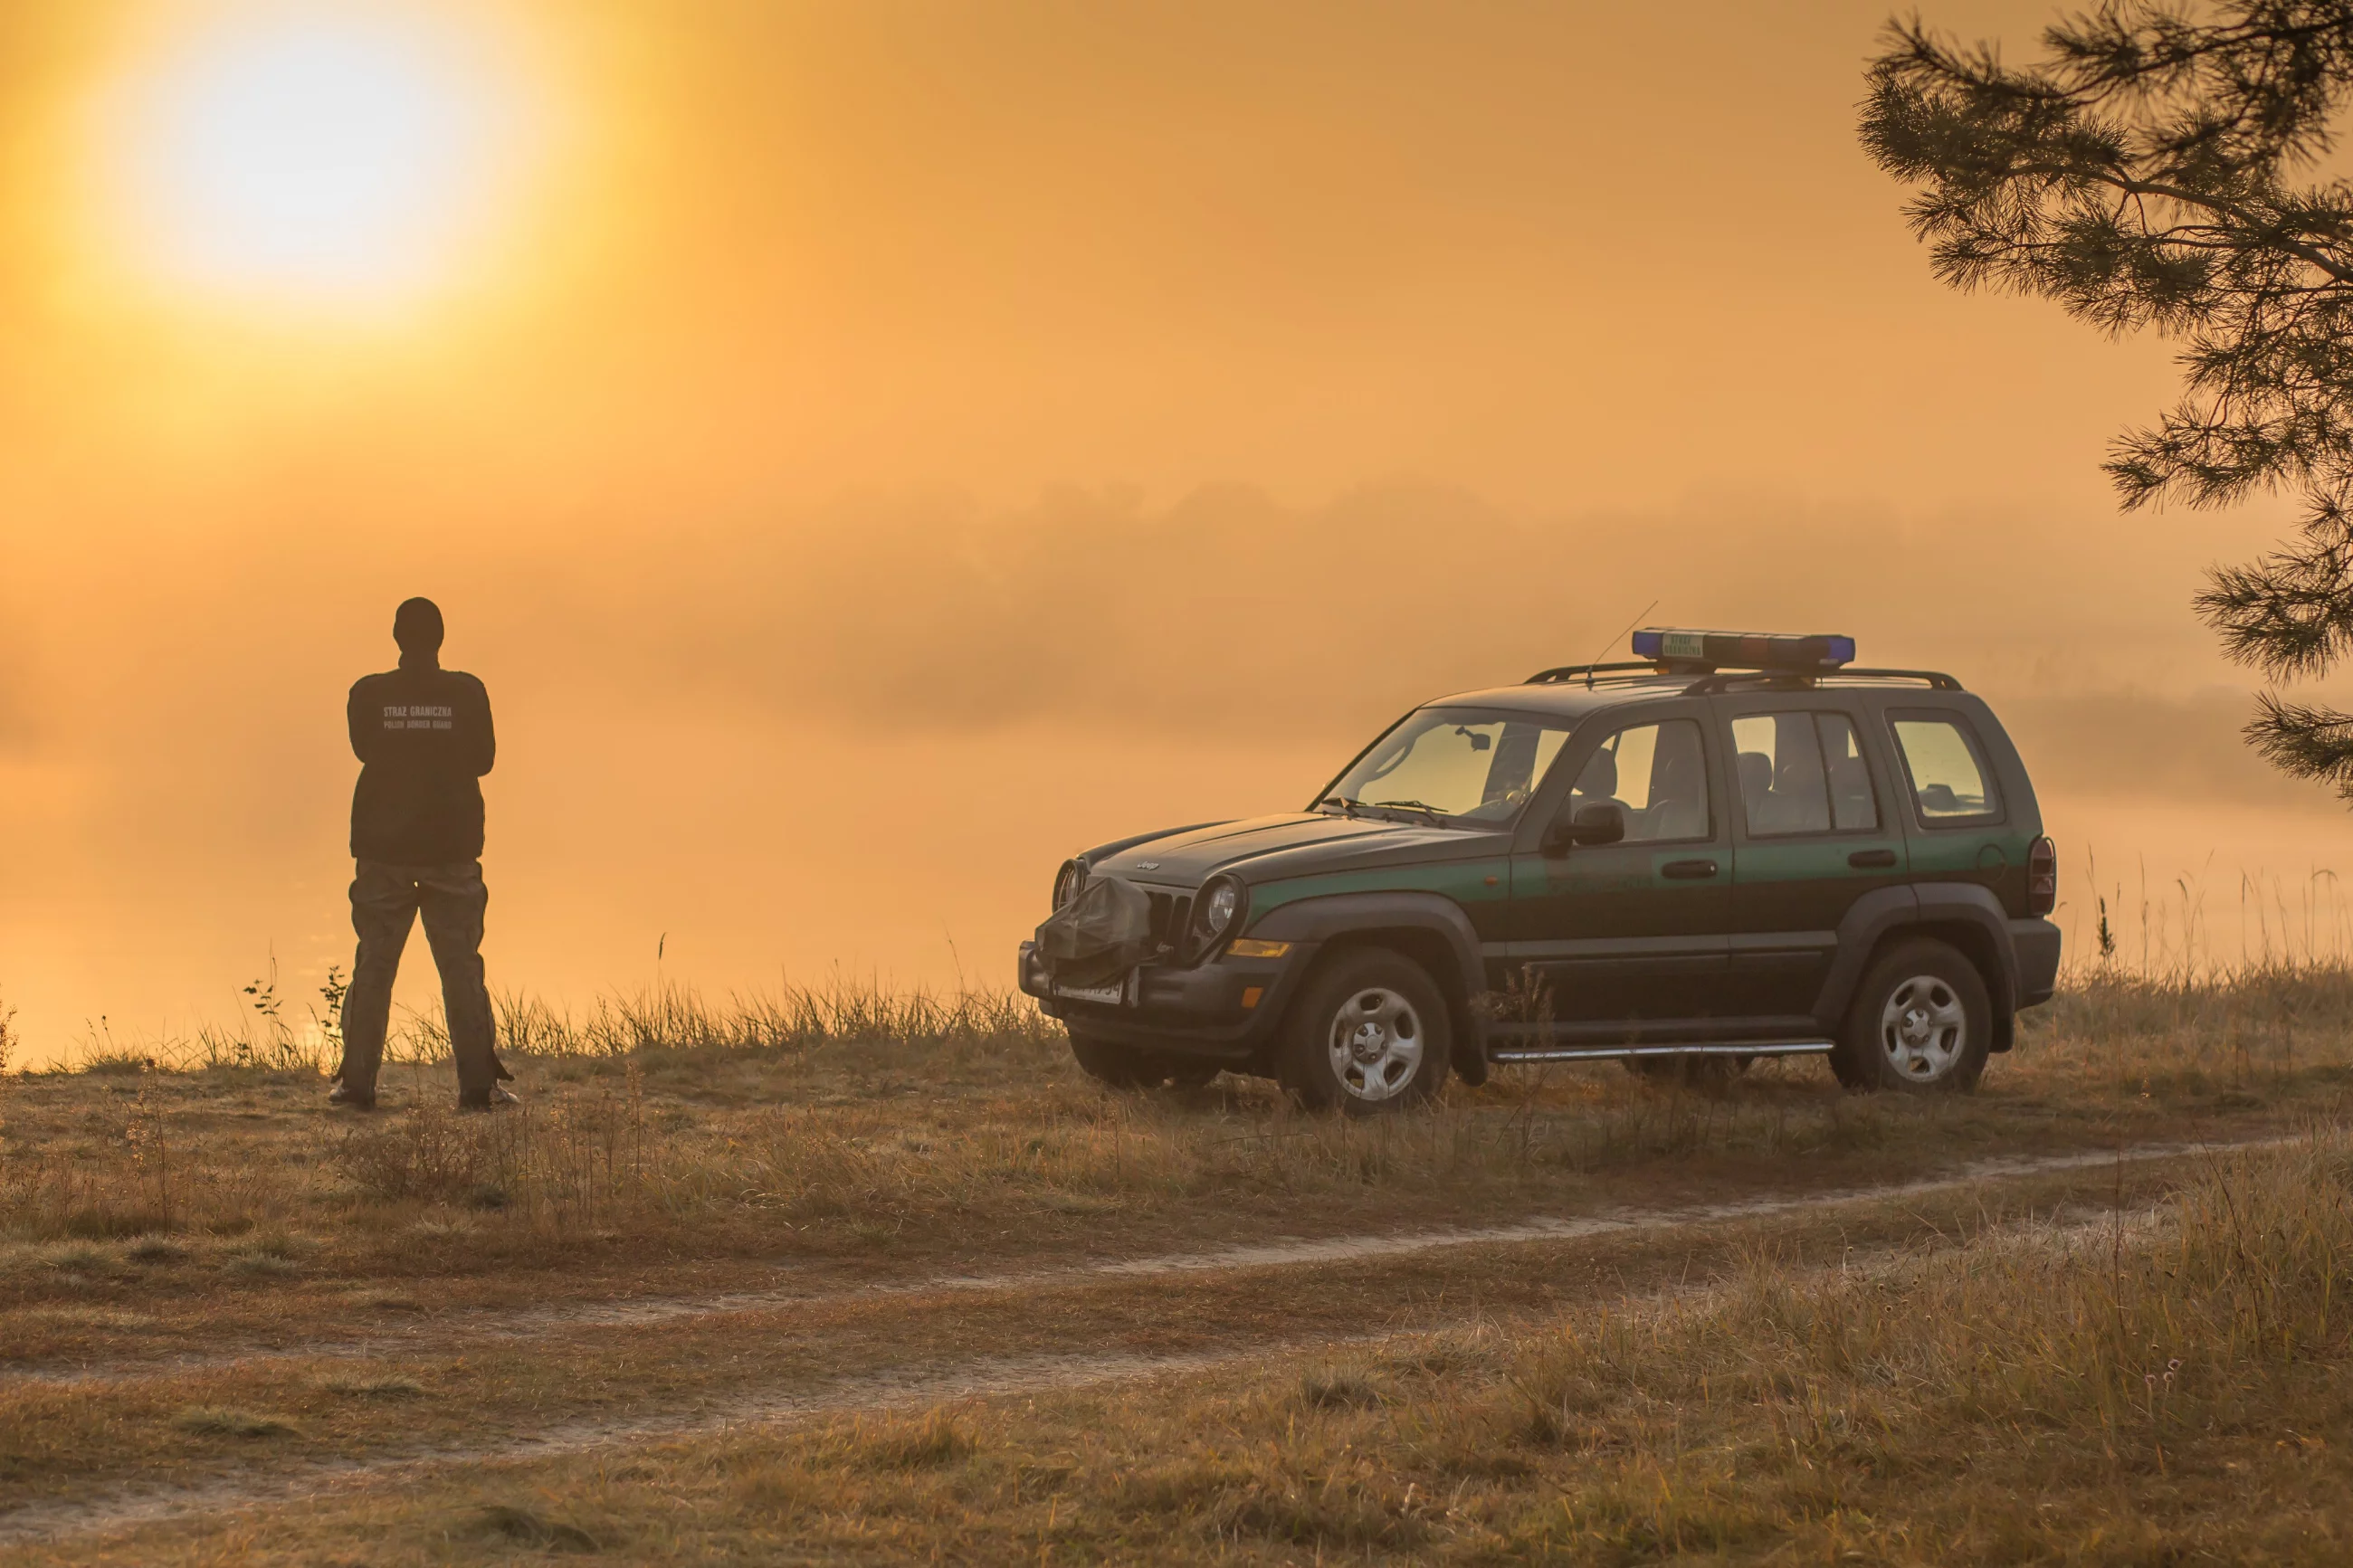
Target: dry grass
(847, 1125)
(2104, 1398)
(880, 1025)
(748, 1355)
(2161, 1389)
(1896, 1413)
(222, 1421)
(2227, 1023)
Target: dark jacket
(423, 737)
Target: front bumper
(1224, 1010)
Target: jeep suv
(1735, 846)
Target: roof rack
(1717, 661)
(1586, 672)
(1794, 680)
(1935, 678)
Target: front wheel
(1369, 1034)
(1921, 1024)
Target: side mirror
(1603, 822)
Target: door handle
(1865, 859)
(1688, 870)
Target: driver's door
(1624, 940)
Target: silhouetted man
(423, 737)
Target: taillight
(2042, 877)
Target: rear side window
(1801, 772)
(1950, 781)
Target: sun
(317, 153)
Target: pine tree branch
(2304, 742)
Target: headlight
(1218, 907)
(1068, 881)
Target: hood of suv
(1264, 847)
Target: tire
(1691, 1072)
(1126, 1068)
(1369, 1035)
(1921, 1022)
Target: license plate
(1110, 996)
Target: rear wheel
(1368, 1034)
(1921, 1022)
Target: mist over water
(863, 736)
(880, 459)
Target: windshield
(1476, 765)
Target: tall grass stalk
(2283, 921)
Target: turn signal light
(2042, 877)
(1252, 947)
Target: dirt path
(922, 1389)
(105, 1507)
(459, 1329)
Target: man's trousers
(386, 902)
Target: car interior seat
(1798, 800)
(1598, 784)
(1678, 807)
(1851, 794)
(1756, 770)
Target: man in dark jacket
(423, 737)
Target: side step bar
(1632, 1053)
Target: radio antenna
(1629, 626)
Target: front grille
(1170, 912)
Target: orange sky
(873, 450)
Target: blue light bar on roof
(1743, 650)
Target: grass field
(841, 1274)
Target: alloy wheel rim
(1376, 1044)
(1924, 1028)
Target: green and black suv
(1737, 845)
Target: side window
(1782, 787)
(1852, 803)
(1657, 773)
(1950, 779)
